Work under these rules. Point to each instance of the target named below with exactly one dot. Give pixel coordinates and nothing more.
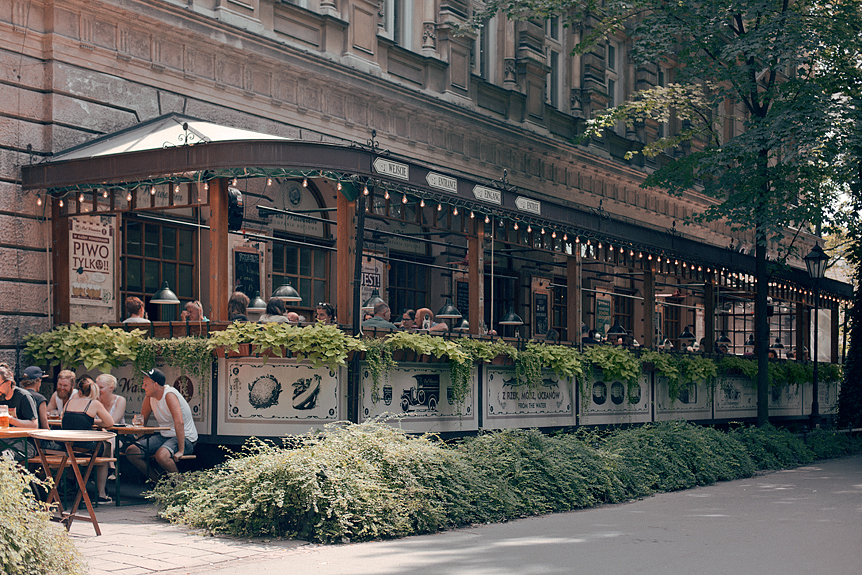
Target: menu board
(541, 313)
(462, 298)
(247, 272)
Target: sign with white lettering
(91, 255)
(488, 195)
(528, 205)
(509, 396)
(441, 182)
(393, 169)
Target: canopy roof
(162, 132)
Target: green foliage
(192, 355)
(372, 481)
(829, 372)
(616, 363)
(486, 351)
(96, 347)
(30, 543)
(828, 444)
(564, 361)
(772, 448)
(735, 365)
(850, 396)
(378, 356)
(237, 333)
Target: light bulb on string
(455, 211)
(404, 199)
(472, 215)
(177, 189)
(304, 182)
(515, 226)
(269, 181)
(38, 200)
(153, 191)
(554, 234)
(386, 195)
(543, 231)
(631, 253)
(338, 186)
(60, 203)
(600, 245)
(129, 196)
(206, 186)
(529, 229)
(565, 237)
(105, 193)
(649, 257)
(234, 182)
(439, 207)
(81, 198)
(487, 219)
(365, 190)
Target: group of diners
(82, 403)
(276, 311)
(418, 320)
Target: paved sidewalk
(135, 541)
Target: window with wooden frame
(305, 268)
(154, 253)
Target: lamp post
(815, 261)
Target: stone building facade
(508, 98)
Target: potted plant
(615, 363)
(96, 347)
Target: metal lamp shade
(165, 296)
(372, 301)
(816, 261)
(511, 318)
(257, 304)
(777, 344)
(463, 325)
(448, 311)
(686, 335)
(723, 339)
(617, 329)
(750, 341)
(286, 293)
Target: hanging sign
(528, 205)
(392, 169)
(91, 258)
(441, 182)
(489, 195)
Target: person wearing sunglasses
(325, 312)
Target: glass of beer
(137, 420)
(4, 416)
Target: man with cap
(31, 381)
(171, 411)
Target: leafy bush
(96, 347)
(828, 444)
(370, 481)
(30, 544)
(772, 448)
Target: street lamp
(815, 261)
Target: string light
(39, 200)
(234, 182)
(153, 190)
(515, 226)
(129, 197)
(422, 204)
(640, 255)
(600, 245)
(338, 186)
(386, 195)
(472, 215)
(487, 219)
(631, 253)
(364, 191)
(554, 234)
(439, 207)
(81, 198)
(177, 189)
(105, 194)
(565, 237)
(206, 186)
(454, 210)
(304, 182)
(404, 199)
(649, 257)
(269, 181)
(529, 229)
(543, 231)
(60, 203)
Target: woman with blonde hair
(82, 412)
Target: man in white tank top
(171, 411)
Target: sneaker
(100, 500)
(112, 477)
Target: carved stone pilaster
(510, 73)
(429, 38)
(329, 8)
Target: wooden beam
(344, 217)
(220, 285)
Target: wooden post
(573, 296)
(220, 285)
(709, 315)
(345, 242)
(476, 271)
(60, 248)
(649, 310)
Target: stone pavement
(135, 541)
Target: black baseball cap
(156, 375)
(33, 372)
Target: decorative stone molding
(429, 36)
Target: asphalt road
(802, 521)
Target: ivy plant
(94, 347)
(615, 363)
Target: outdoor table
(10, 438)
(136, 430)
(68, 438)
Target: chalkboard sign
(246, 270)
(541, 311)
(462, 298)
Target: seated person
(115, 404)
(293, 317)
(237, 306)
(82, 412)
(325, 312)
(22, 408)
(171, 411)
(65, 391)
(423, 314)
(772, 354)
(194, 312)
(32, 382)
(135, 311)
(590, 338)
(408, 320)
(380, 320)
(274, 312)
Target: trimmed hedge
(371, 481)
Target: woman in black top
(82, 412)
